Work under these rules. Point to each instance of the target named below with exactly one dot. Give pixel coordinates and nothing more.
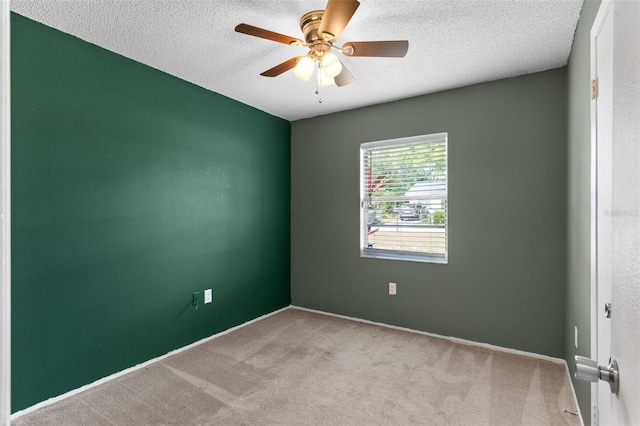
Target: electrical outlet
(208, 296)
(392, 289)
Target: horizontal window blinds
(404, 198)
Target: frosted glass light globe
(304, 68)
(330, 64)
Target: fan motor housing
(309, 24)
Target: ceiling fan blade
(344, 78)
(337, 15)
(387, 49)
(280, 68)
(269, 35)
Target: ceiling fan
(321, 29)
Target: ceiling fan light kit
(321, 29)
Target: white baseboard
(222, 333)
(463, 342)
(573, 392)
(438, 336)
(136, 367)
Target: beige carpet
(302, 368)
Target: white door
(603, 108)
(616, 54)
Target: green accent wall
(132, 189)
(505, 280)
(579, 200)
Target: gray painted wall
(505, 281)
(579, 193)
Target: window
(403, 199)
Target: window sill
(404, 256)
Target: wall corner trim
(5, 213)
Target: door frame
(5, 213)
(603, 10)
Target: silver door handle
(588, 370)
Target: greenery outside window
(403, 199)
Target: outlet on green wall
(132, 189)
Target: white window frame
(377, 253)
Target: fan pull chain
(318, 84)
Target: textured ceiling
(452, 43)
